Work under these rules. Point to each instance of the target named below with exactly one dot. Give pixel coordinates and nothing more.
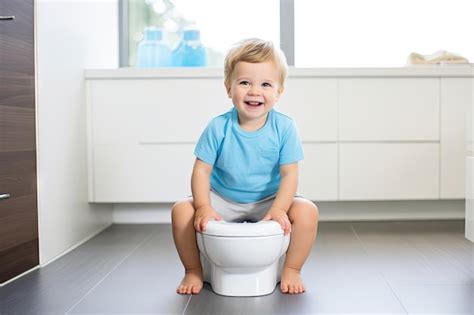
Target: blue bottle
(190, 52)
(153, 50)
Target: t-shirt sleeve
(291, 150)
(208, 144)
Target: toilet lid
(261, 228)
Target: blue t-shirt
(246, 165)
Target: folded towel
(441, 56)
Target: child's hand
(202, 216)
(281, 217)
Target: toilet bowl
(242, 259)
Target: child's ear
(280, 92)
(227, 88)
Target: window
(314, 33)
(221, 23)
(379, 33)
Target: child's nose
(254, 90)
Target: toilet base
(237, 282)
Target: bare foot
(291, 281)
(191, 283)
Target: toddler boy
(247, 159)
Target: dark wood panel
(18, 214)
(19, 259)
(22, 61)
(19, 223)
(17, 128)
(16, 37)
(17, 90)
(22, 26)
(18, 173)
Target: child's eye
(244, 83)
(266, 85)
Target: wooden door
(18, 194)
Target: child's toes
(292, 289)
(189, 289)
(284, 287)
(195, 290)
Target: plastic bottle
(190, 52)
(153, 51)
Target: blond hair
(254, 50)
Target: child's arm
(285, 195)
(200, 187)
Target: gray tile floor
(355, 267)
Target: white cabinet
(387, 171)
(469, 145)
(313, 104)
(389, 109)
(318, 172)
(470, 198)
(388, 134)
(153, 110)
(455, 101)
(141, 173)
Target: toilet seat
(232, 229)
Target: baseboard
(19, 276)
(102, 228)
(329, 211)
(93, 234)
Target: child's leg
(303, 215)
(184, 235)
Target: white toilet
(242, 259)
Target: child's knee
(316, 211)
(182, 210)
(312, 213)
(307, 213)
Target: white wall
(70, 36)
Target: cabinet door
(456, 97)
(389, 109)
(18, 201)
(470, 198)
(141, 173)
(389, 171)
(156, 111)
(318, 172)
(313, 104)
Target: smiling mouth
(254, 104)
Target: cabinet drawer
(141, 173)
(160, 110)
(389, 109)
(313, 104)
(318, 172)
(389, 171)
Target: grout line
(186, 306)
(367, 253)
(108, 273)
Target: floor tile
(54, 288)
(145, 282)
(437, 299)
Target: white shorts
(232, 211)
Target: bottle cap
(191, 35)
(153, 33)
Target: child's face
(254, 89)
